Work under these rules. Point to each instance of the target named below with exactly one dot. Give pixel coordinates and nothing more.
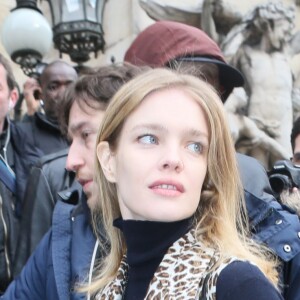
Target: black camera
(284, 176)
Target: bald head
(54, 80)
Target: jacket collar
(43, 120)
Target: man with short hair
(16, 158)
(66, 254)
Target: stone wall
(123, 19)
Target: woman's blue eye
(148, 139)
(195, 147)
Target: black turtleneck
(147, 243)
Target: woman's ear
(107, 161)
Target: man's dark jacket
(46, 179)
(44, 133)
(62, 258)
(23, 156)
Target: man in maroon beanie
(192, 51)
(167, 44)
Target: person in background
(66, 254)
(169, 195)
(31, 94)
(42, 129)
(291, 198)
(190, 50)
(16, 159)
(295, 142)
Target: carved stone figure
(188, 11)
(263, 43)
(244, 130)
(218, 17)
(215, 17)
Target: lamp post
(77, 31)
(26, 35)
(77, 27)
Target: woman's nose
(172, 161)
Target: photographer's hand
(29, 88)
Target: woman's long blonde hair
(221, 219)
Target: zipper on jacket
(5, 239)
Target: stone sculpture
(245, 132)
(260, 47)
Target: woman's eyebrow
(196, 133)
(150, 126)
(157, 127)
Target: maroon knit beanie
(164, 41)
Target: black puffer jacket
(47, 178)
(44, 133)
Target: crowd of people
(125, 183)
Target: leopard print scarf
(180, 276)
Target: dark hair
(10, 78)
(96, 88)
(295, 132)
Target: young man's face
(84, 122)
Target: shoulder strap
(286, 274)
(7, 177)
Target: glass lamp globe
(26, 35)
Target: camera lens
(280, 182)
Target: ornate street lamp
(26, 36)
(77, 31)
(77, 27)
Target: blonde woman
(170, 198)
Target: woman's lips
(167, 188)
